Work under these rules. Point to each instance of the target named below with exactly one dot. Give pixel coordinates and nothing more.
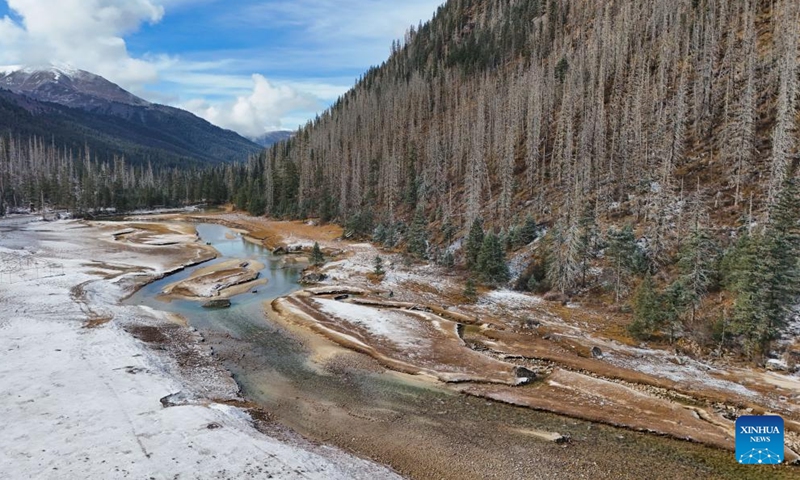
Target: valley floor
(95, 388)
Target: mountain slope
(549, 107)
(76, 108)
(655, 142)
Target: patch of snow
(393, 326)
(510, 298)
(690, 372)
(6, 69)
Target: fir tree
(491, 260)
(379, 271)
(586, 241)
(648, 310)
(448, 260)
(470, 292)
(624, 256)
(317, 258)
(529, 231)
(474, 243)
(448, 231)
(697, 263)
(563, 262)
(766, 276)
(418, 236)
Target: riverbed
(417, 426)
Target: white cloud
(88, 34)
(258, 112)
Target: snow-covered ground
(80, 402)
(392, 326)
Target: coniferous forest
(638, 155)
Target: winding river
(422, 429)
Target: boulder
(596, 352)
(176, 400)
(218, 303)
(524, 373)
(312, 278)
(776, 365)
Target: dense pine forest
(639, 155)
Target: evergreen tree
(648, 310)
(379, 271)
(529, 231)
(563, 262)
(474, 243)
(491, 260)
(766, 276)
(448, 260)
(379, 235)
(586, 241)
(256, 204)
(317, 258)
(448, 231)
(470, 291)
(418, 236)
(697, 263)
(624, 257)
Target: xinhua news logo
(759, 440)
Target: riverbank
(95, 389)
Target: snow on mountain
(66, 85)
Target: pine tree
(491, 262)
(470, 292)
(764, 273)
(529, 231)
(448, 231)
(586, 241)
(379, 270)
(317, 258)
(697, 263)
(448, 260)
(625, 258)
(418, 236)
(648, 310)
(563, 262)
(474, 243)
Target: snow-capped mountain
(74, 107)
(66, 86)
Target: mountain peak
(66, 85)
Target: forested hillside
(647, 137)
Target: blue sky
(247, 65)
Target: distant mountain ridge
(271, 138)
(77, 108)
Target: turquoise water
(282, 280)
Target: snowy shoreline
(85, 402)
